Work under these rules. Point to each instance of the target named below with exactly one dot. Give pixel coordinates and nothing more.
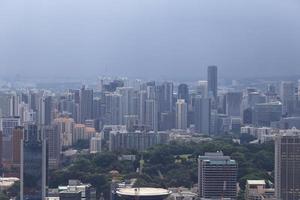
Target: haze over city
(151, 39)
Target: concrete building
(256, 190)
(202, 114)
(287, 165)
(33, 164)
(122, 140)
(234, 104)
(95, 144)
(181, 114)
(266, 113)
(287, 96)
(212, 80)
(217, 176)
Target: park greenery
(169, 165)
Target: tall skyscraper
(202, 114)
(183, 92)
(167, 104)
(45, 110)
(18, 135)
(151, 118)
(113, 109)
(181, 114)
(202, 89)
(54, 145)
(287, 96)
(33, 164)
(234, 104)
(86, 104)
(287, 166)
(217, 176)
(212, 79)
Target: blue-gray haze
(149, 38)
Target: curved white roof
(143, 191)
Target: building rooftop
(142, 192)
(256, 182)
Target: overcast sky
(149, 38)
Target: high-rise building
(54, 145)
(7, 126)
(151, 112)
(65, 127)
(113, 109)
(287, 96)
(167, 92)
(95, 144)
(287, 165)
(202, 114)
(183, 92)
(234, 104)
(86, 104)
(181, 114)
(33, 164)
(265, 113)
(126, 98)
(217, 176)
(45, 110)
(212, 79)
(202, 89)
(18, 134)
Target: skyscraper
(18, 135)
(181, 114)
(151, 118)
(86, 104)
(234, 104)
(212, 79)
(202, 114)
(183, 92)
(287, 165)
(54, 145)
(287, 96)
(33, 164)
(217, 176)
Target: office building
(287, 165)
(266, 113)
(33, 164)
(212, 81)
(217, 176)
(95, 144)
(151, 114)
(181, 114)
(183, 92)
(234, 104)
(65, 127)
(202, 114)
(54, 147)
(86, 104)
(202, 89)
(287, 96)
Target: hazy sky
(149, 38)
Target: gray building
(86, 104)
(287, 165)
(202, 114)
(212, 79)
(217, 176)
(33, 164)
(265, 113)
